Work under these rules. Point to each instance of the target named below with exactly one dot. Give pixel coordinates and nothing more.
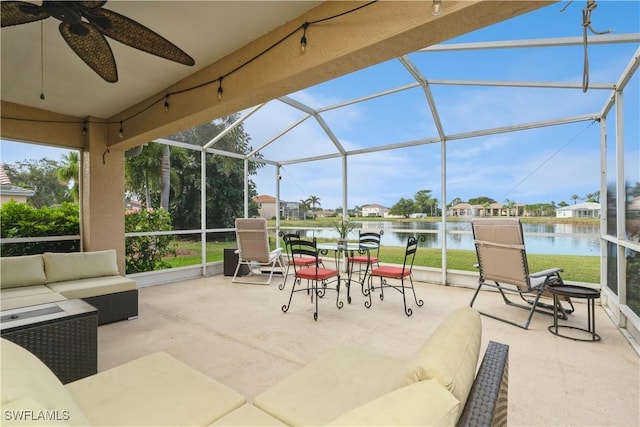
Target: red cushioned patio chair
(318, 278)
(389, 274)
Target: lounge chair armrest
(546, 273)
(487, 401)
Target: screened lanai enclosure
(516, 120)
(539, 109)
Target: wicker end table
(573, 291)
(63, 334)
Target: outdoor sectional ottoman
(438, 386)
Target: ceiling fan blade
(92, 48)
(21, 12)
(136, 35)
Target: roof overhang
(263, 35)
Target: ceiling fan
(84, 27)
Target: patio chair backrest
(286, 237)
(252, 237)
(501, 251)
(300, 247)
(372, 240)
(410, 252)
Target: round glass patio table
(344, 250)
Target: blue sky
(542, 165)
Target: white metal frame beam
(422, 82)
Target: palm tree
(593, 197)
(510, 204)
(575, 198)
(313, 201)
(304, 207)
(165, 177)
(143, 172)
(69, 171)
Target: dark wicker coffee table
(576, 292)
(63, 334)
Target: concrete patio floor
(238, 335)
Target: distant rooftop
(8, 189)
(584, 205)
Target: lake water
(561, 239)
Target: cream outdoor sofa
(347, 386)
(50, 277)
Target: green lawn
(576, 268)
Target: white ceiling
(213, 30)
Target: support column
(102, 197)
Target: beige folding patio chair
(502, 259)
(252, 237)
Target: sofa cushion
(22, 271)
(26, 291)
(425, 403)
(248, 415)
(79, 265)
(93, 287)
(450, 355)
(154, 390)
(28, 295)
(26, 381)
(340, 380)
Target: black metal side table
(573, 291)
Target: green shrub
(633, 281)
(24, 220)
(145, 253)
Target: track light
(437, 7)
(84, 128)
(121, 132)
(166, 103)
(303, 40)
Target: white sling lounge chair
(253, 248)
